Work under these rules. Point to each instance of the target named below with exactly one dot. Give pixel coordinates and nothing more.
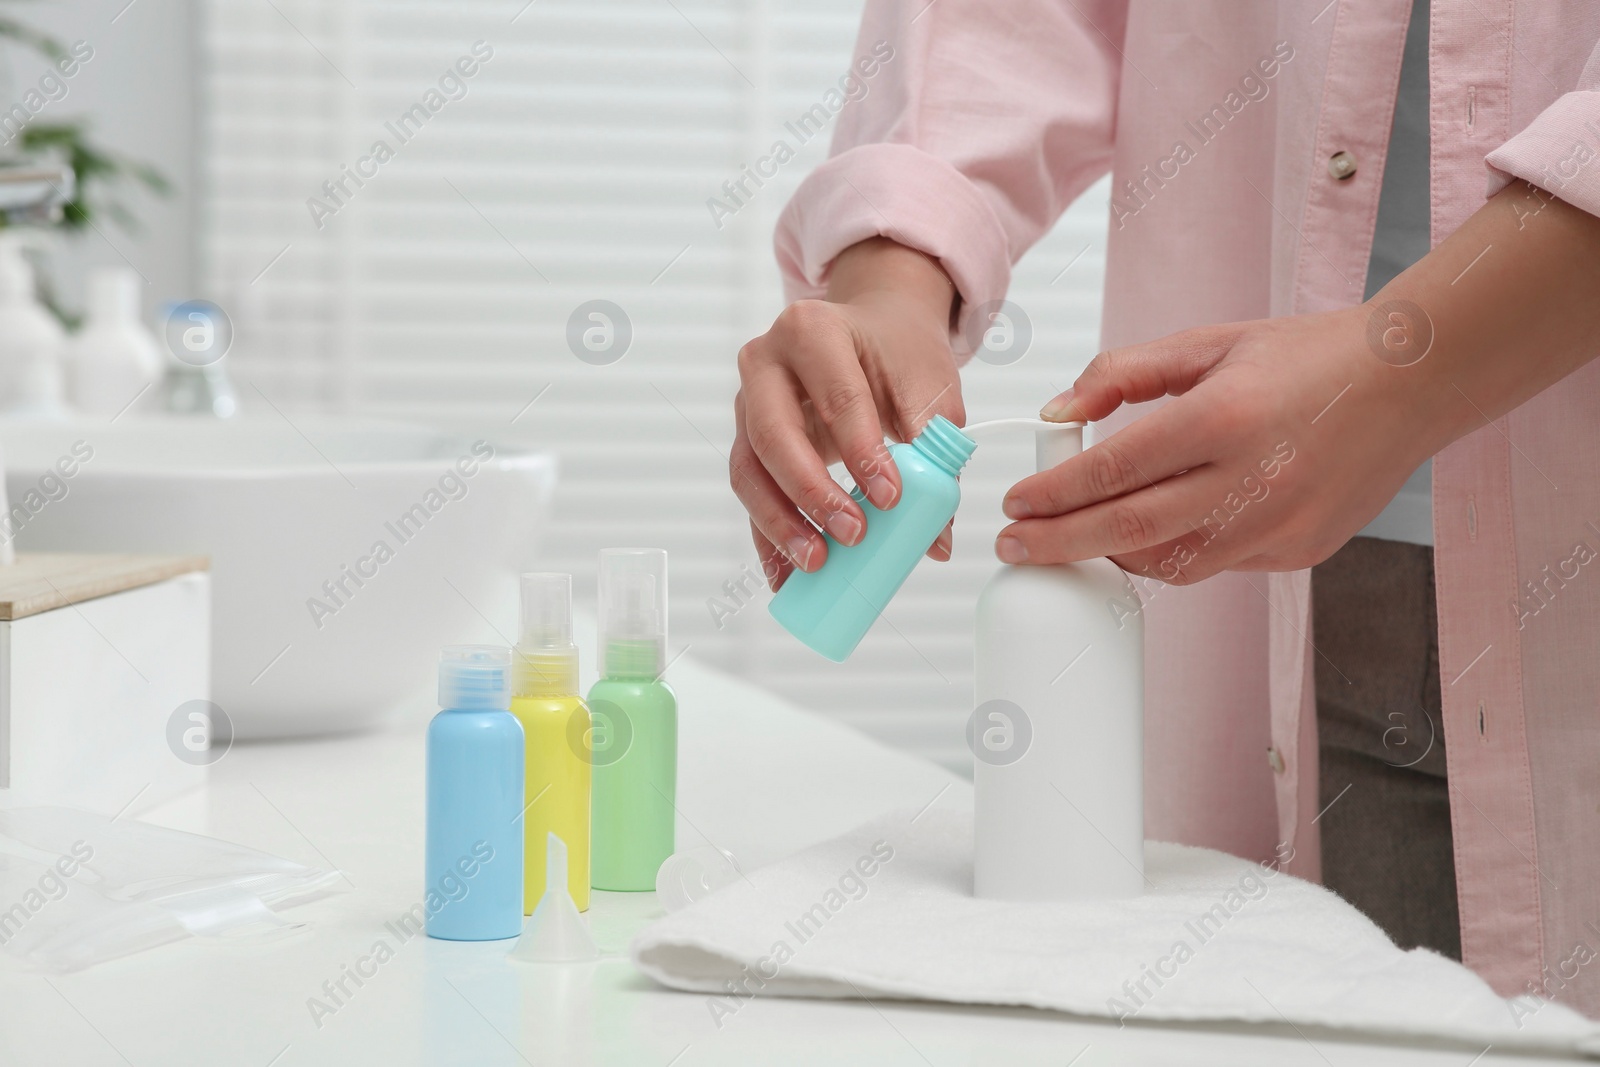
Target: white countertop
(757, 777)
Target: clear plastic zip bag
(77, 889)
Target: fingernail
(944, 545)
(798, 549)
(1010, 550)
(845, 527)
(1059, 409)
(880, 488)
(1017, 508)
(772, 570)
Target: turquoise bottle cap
(475, 678)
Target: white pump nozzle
(1054, 442)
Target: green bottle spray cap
(633, 612)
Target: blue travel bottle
(473, 890)
(832, 608)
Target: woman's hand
(1287, 436)
(827, 383)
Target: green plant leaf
(23, 34)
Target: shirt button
(1342, 165)
(1275, 760)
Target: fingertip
(846, 527)
(775, 567)
(879, 479)
(882, 491)
(1010, 549)
(1063, 408)
(805, 552)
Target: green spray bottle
(634, 746)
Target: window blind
(579, 161)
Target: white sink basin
(315, 627)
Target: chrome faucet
(35, 192)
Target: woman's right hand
(827, 383)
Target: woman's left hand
(1286, 437)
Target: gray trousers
(1386, 845)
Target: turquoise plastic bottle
(473, 890)
(832, 608)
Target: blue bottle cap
(475, 678)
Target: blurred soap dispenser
(1057, 730)
(30, 337)
(114, 360)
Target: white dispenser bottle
(115, 358)
(30, 338)
(1057, 731)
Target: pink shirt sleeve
(976, 132)
(1559, 151)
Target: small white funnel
(555, 932)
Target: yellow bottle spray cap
(545, 661)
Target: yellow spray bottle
(555, 725)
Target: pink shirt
(1226, 127)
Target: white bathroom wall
(577, 167)
(137, 95)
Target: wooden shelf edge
(43, 581)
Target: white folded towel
(887, 910)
